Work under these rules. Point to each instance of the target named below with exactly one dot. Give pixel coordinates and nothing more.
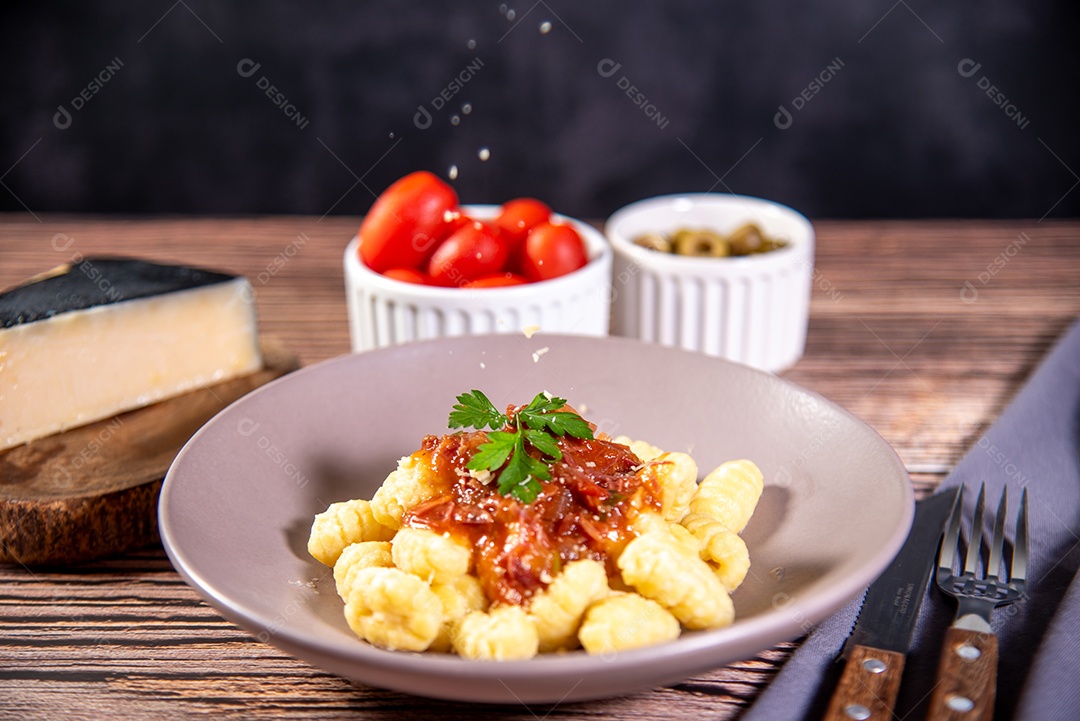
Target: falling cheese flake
(537, 354)
(529, 330)
(483, 365)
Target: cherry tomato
(472, 251)
(551, 250)
(518, 217)
(407, 275)
(496, 281)
(406, 223)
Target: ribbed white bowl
(385, 312)
(752, 310)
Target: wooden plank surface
(923, 329)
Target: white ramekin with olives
(727, 275)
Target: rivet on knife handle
(966, 677)
(868, 687)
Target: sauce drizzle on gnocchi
(583, 512)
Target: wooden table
(923, 329)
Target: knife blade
(875, 651)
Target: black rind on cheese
(95, 282)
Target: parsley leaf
(543, 413)
(491, 455)
(561, 423)
(544, 443)
(538, 424)
(519, 478)
(473, 409)
(544, 403)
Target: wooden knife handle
(966, 678)
(868, 687)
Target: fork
(967, 671)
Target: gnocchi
(677, 475)
(558, 609)
(459, 598)
(393, 609)
(730, 494)
(341, 525)
(505, 634)
(358, 556)
(659, 566)
(623, 621)
(406, 487)
(721, 547)
(621, 548)
(431, 556)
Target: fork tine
(1020, 545)
(947, 554)
(997, 545)
(975, 538)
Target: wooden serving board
(93, 491)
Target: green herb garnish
(538, 425)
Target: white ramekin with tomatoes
(422, 266)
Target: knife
(875, 650)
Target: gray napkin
(1034, 445)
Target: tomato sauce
(584, 511)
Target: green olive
(654, 241)
(772, 244)
(704, 243)
(747, 239)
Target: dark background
(898, 131)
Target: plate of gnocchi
(534, 519)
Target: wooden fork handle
(967, 677)
(867, 689)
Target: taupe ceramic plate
(238, 501)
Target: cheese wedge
(106, 335)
